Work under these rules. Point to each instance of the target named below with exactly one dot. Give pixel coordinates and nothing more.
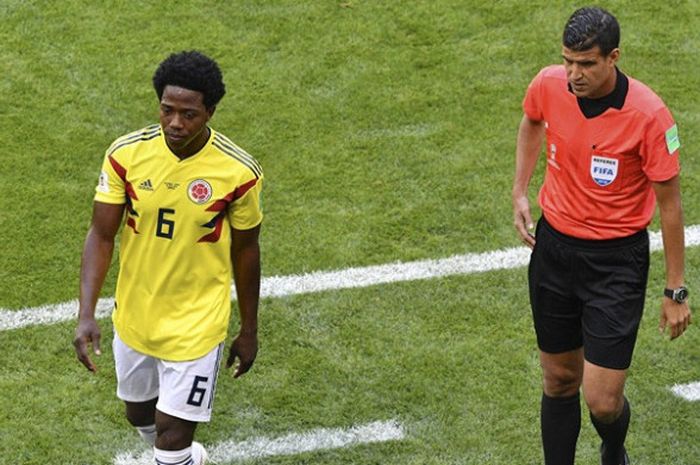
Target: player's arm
(245, 256)
(529, 144)
(97, 256)
(675, 316)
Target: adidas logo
(146, 185)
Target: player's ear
(210, 112)
(614, 55)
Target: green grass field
(387, 133)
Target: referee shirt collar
(592, 107)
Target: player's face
(590, 73)
(184, 118)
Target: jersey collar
(592, 107)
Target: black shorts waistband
(598, 244)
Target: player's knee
(137, 419)
(174, 433)
(141, 413)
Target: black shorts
(588, 293)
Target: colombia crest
(199, 191)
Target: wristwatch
(679, 294)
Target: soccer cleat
(625, 457)
(199, 450)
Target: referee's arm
(529, 144)
(675, 316)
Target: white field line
(689, 391)
(296, 443)
(281, 286)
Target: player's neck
(194, 146)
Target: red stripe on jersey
(221, 204)
(131, 223)
(130, 191)
(119, 169)
(216, 234)
(241, 190)
(121, 172)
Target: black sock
(560, 419)
(613, 436)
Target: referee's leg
(560, 414)
(603, 390)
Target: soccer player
(612, 153)
(188, 200)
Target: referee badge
(603, 170)
(199, 191)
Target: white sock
(173, 457)
(199, 454)
(148, 434)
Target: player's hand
(87, 332)
(675, 316)
(245, 349)
(522, 220)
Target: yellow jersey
(173, 297)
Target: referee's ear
(614, 55)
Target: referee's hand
(522, 220)
(675, 316)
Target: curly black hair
(591, 26)
(194, 71)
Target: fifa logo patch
(552, 160)
(199, 191)
(604, 170)
(103, 182)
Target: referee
(612, 154)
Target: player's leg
(175, 444)
(137, 386)
(142, 415)
(186, 399)
(175, 437)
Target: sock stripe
(185, 461)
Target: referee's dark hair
(194, 71)
(591, 26)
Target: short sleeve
(532, 103)
(111, 185)
(661, 147)
(245, 212)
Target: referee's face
(590, 73)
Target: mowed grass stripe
(281, 286)
(295, 443)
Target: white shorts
(184, 389)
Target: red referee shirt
(600, 169)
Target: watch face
(681, 295)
